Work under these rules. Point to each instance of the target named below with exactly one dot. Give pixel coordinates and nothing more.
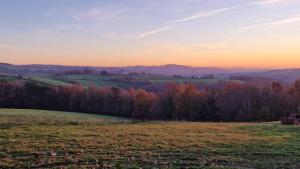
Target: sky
(208, 33)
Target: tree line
(235, 102)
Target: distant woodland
(235, 102)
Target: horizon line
(159, 65)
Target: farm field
(49, 81)
(126, 81)
(48, 139)
(117, 80)
(8, 78)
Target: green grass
(33, 117)
(97, 80)
(43, 80)
(49, 81)
(8, 78)
(125, 81)
(122, 81)
(47, 139)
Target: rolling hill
(146, 81)
(284, 75)
(47, 139)
(168, 70)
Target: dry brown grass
(153, 144)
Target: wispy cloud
(269, 2)
(274, 24)
(98, 14)
(203, 15)
(170, 24)
(290, 20)
(153, 32)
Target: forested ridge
(233, 102)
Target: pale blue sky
(151, 32)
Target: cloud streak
(203, 15)
(274, 24)
(170, 24)
(153, 32)
(291, 20)
(268, 2)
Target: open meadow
(115, 80)
(47, 139)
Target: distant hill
(163, 70)
(31, 70)
(286, 75)
(184, 70)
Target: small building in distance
(291, 119)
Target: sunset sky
(219, 33)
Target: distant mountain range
(286, 75)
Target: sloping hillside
(284, 75)
(46, 139)
(169, 70)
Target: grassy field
(126, 81)
(8, 78)
(49, 81)
(47, 139)
(42, 80)
(122, 81)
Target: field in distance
(115, 80)
(48, 139)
